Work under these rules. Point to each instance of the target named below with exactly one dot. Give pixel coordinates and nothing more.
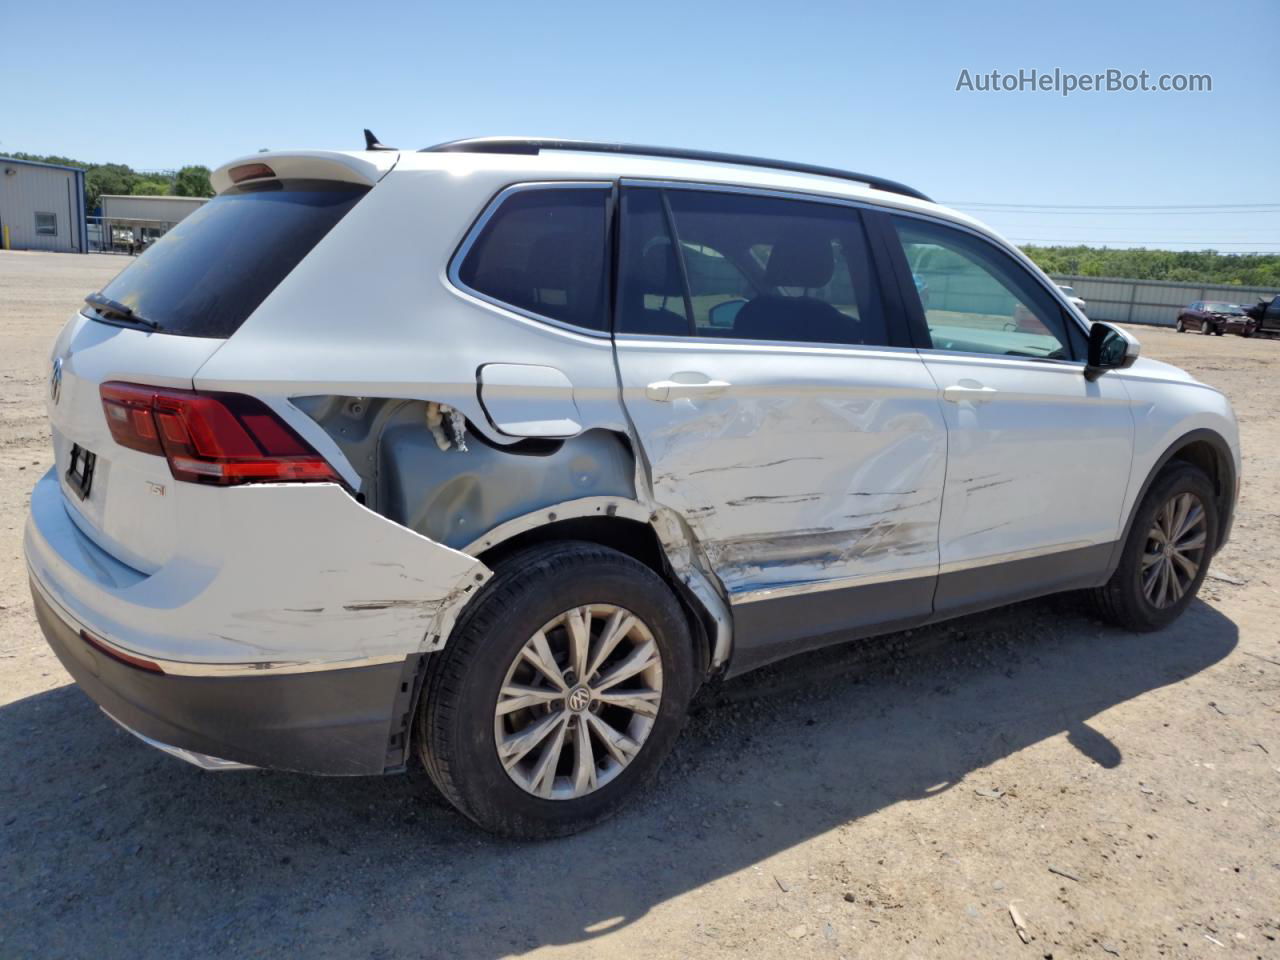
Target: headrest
(801, 260)
(661, 273)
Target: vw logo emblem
(55, 380)
(579, 699)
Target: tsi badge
(55, 381)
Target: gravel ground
(895, 799)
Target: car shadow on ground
(109, 848)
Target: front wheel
(560, 693)
(1206, 328)
(1167, 553)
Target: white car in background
(494, 453)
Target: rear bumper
(270, 577)
(337, 722)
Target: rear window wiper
(114, 308)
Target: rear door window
(542, 251)
(206, 275)
(746, 267)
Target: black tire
(1218, 331)
(1206, 328)
(455, 729)
(1180, 327)
(1122, 600)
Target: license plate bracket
(80, 470)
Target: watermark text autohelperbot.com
(1066, 83)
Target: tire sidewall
(487, 792)
(1182, 478)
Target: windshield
(1233, 308)
(205, 276)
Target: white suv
(497, 451)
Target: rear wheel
(1180, 326)
(560, 693)
(1167, 554)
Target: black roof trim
(532, 146)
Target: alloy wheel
(578, 702)
(1175, 550)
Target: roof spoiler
(364, 168)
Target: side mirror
(1110, 348)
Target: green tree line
(119, 178)
(1187, 266)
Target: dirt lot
(891, 800)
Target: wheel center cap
(579, 699)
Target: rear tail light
(217, 438)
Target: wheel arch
(619, 525)
(1203, 448)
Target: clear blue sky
(864, 85)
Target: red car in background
(1216, 317)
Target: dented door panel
(812, 464)
(1039, 457)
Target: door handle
(968, 391)
(666, 390)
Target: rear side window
(206, 275)
(542, 251)
(746, 267)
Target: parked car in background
(1215, 317)
(391, 452)
(1266, 314)
(1071, 295)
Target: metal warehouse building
(41, 207)
(142, 219)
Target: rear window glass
(206, 275)
(542, 251)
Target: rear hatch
(158, 322)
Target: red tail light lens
(217, 438)
(249, 171)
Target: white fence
(1151, 301)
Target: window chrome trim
(660, 184)
(658, 341)
(473, 234)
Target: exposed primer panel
(451, 495)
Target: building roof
(40, 163)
